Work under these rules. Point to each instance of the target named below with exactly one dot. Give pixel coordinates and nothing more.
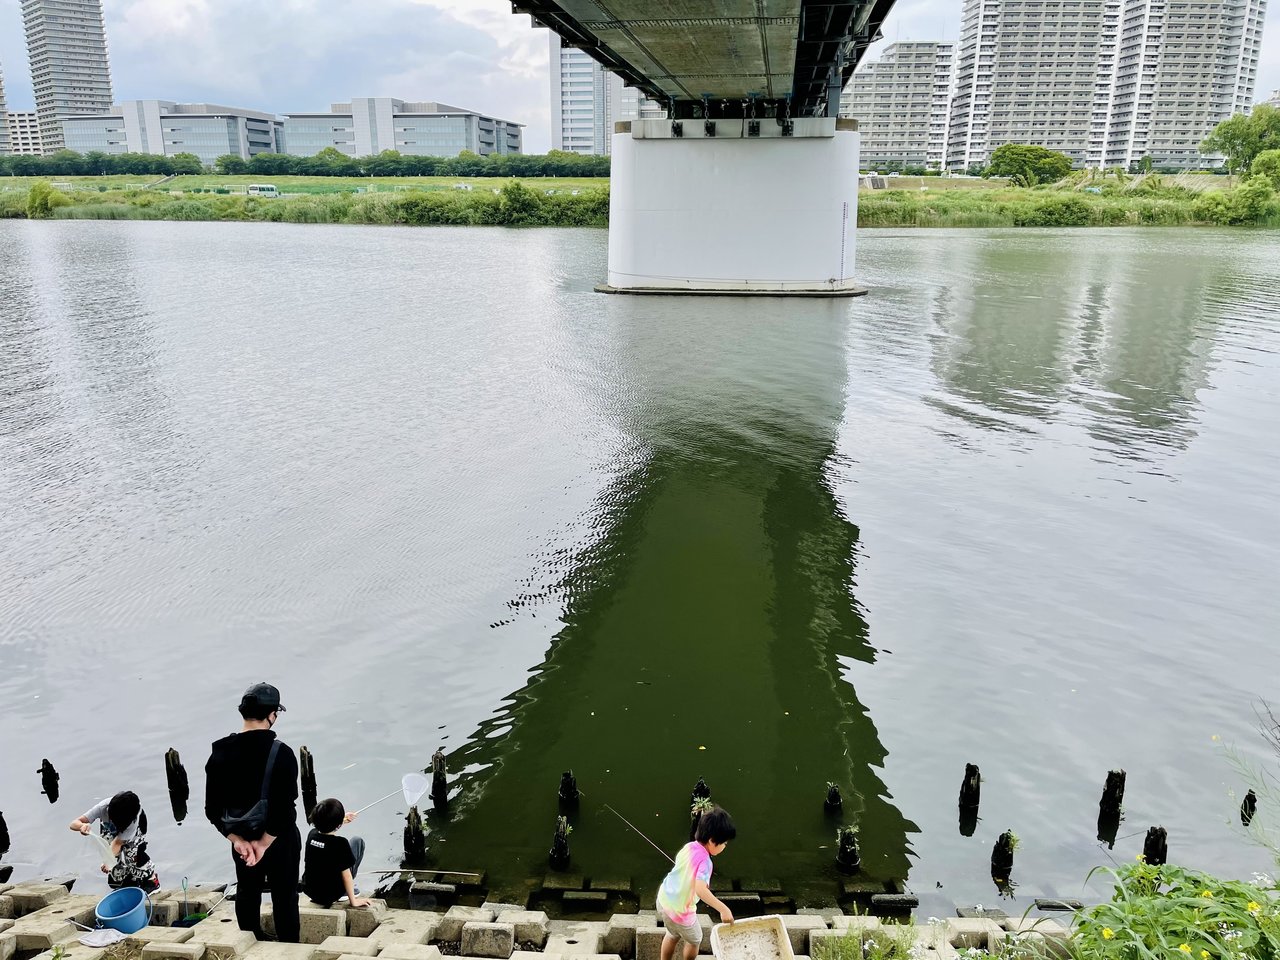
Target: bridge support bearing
(734, 213)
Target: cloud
(305, 54)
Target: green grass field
(307, 185)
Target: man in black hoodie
(235, 780)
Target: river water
(1015, 508)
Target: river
(1015, 508)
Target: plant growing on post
(699, 806)
(848, 858)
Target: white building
(369, 125)
(1272, 101)
(4, 120)
(24, 133)
(67, 47)
(902, 103)
(163, 127)
(587, 100)
(1106, 82)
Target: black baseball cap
(262, 695)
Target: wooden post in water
(1248, 808)
(558, 858)
(700, 791)
(834, 803)
(415, 841)
(179, 787)
(310, 794)
(1109, 808)
(439, 781)
(568, 794)
(970, 797)
(4, 835)
(1155, 849)
(48, 780)
(848, 859)
(1002, 858)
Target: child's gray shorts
(690, 933)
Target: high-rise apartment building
(902, 102)
(1272, 101)
(67, 47)
(1106, 82)
(4, 120)
(586, 101)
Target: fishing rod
(637, 830)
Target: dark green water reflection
(705, 630)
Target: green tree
(519, 204)
(1241, 138)
(1027, 164)
(231, 164)
(186, 164)
(1267, 166)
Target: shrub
(42, 200)
(1169, 911)
(1064, 210)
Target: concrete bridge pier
(734, 206)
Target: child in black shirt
(332, 861)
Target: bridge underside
(730, 58)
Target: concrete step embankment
(37, 922)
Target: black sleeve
(282, 797)
(343, 855)
(215, 804)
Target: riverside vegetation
(1082, 199)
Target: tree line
(327, 163)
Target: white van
(262, 190)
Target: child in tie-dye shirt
(686, 884)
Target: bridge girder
(726, 58)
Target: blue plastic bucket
(127, 910)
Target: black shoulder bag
(251, 824)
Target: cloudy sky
(298, 55)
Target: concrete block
(531, 925)
(859, 922)
(407, 926)
(159, 935)
(488, 939)
(165, 913)
(170, 950)
(6, 907)
(978, 934)
(411, 951)
(612, 884)
(500, 908)
(1049, 929)
(1046, 946)
(67, 880)
(428, 895)
(196, 900)
(449, 929)
(316, 924)
(825, 943)
(564, 881)
(334, 947)
(267, 950)
(894, 904)
(585, 900)
(27, 898)
(362, 921)
(798, 929)
(5, 924)
(222, 937)
(8, 946)
(42, 928)
(982, 913)
(534, 955)
(73, 950)
(649, 943)
(620, 934)
(575, 938)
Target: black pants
(277, 871)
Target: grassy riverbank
(1079, 202)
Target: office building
(67, 47)
(370, 125)
(902, 103)
(24, 133)
(1107, 82)
(163, 127)
(4, 120)
(587, 100)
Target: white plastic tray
(756, 938)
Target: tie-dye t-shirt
(675, 896)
